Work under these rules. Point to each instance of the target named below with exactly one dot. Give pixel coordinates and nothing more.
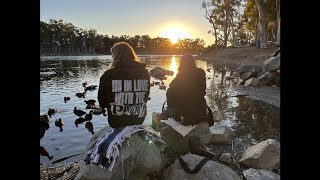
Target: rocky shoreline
(233, 154)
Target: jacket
(186, 95)
(124, 91)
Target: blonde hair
(122, 52)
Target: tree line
(243, 22)
(60, 37)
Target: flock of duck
(83, 116)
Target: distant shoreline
(97, 54)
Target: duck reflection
(80, 120)
(89, 126)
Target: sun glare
(174, 66)
(174, 34)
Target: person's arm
(146, 96)
(203, 85)
(170, 94)
(103, 92)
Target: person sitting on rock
(185, 95)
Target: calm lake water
(252, 120)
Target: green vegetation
(241, 22)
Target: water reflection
(173, 66)
(250, 119)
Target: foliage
(59, 37)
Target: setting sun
(174, 34)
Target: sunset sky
(163, 18)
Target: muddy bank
(237, 56)
(247, 56)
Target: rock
(180, 144)
(257, 174)
(226, 158)
(248, 71)
(276, 80)
(264, 155)
(220, 134)
(212, 170)
(272, 64)
(137, 159)
(267, 77)
(252, 82)
(158, 71)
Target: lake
(62, 76)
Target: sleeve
(103, 92)
(203, 85)
(147, 76)
(170, 94)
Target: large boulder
(264, 155)
(257, 174)
(252, 82)
(159, 72)
(221, 134)
(212, 170)
(272, 64)
(137, 159)
(267, 77)
(171, 135)
(248, 71)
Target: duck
(88, 117)
(66, 99)
(99, 111)
(89, 106)
(51, 111)
(84, 84)
(79, 95)
(91, 87)
(78, 112)
(162, 86)
(80, 120)
(89, 126)
(90, 101)
(152, 84)
(59, 123)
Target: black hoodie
(124, 91)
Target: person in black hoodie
(185, 95)
(124, 88)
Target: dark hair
(187, 64)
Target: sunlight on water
(173, 66)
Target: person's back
(186, 92)
(124, 91)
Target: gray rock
(272, 64)
(137, 159)
(252, 82)
(260, 174)
(221, 134)
(158, 71)
(267, 77)
(248, 71)
(226, 158)
(264, 155)
(212, 170)
(180, 144)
